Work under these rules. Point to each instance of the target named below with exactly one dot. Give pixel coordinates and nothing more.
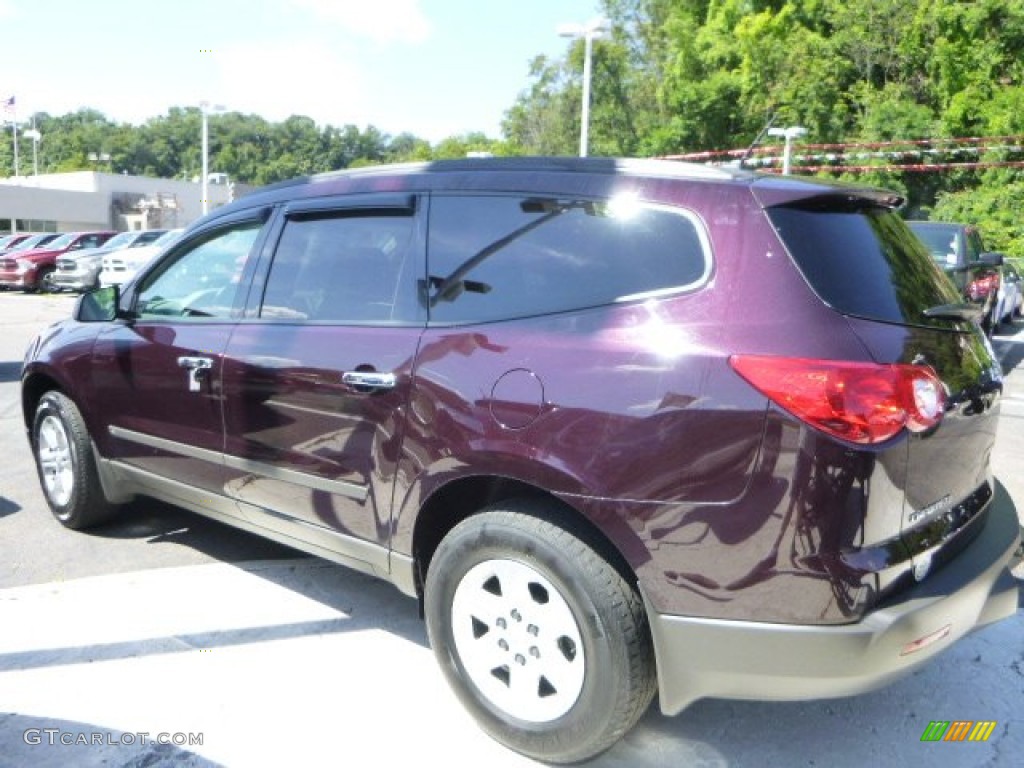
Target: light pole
(591, 31)
(205, 108)
(35, 136)
(789, 134)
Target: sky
(433, 68)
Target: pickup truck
(959, 250)
(28, 269)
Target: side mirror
(99, 306)
(991, 259)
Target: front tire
(66, 465)
(542, 639)
(43, 284)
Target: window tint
(147, 237)
(974, 246)
(91, 241)
(942, 241)
(202, 281)
(864, 262)
(494, 258)
(342, 268)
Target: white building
(68, 202)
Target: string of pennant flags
(908, 156)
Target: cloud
(289, 78)
(382, 21)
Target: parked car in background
(959, 250)
(32, 241)
(519, 390)
(120, 267)
(1013, 292)
(79, 271)
(10, 241)
(28, 269)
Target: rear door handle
(369, 380)
(197, 368)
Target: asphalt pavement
(201, 657)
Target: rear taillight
(860, 402)
(982, 287)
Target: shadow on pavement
(1011, 349)
(9, 371)
(160, 523)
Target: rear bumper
(700, 658)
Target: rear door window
(863, 260)
(501, 257)
(346, 267)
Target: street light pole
(588, 49)
(592, 30)
(789, 134)
(35, 135)
(204, 108)
(14, 130)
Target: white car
(1012, 292)
(119, 267)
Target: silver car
(121, 265)
(80, 271)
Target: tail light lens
(862, 403)
(982, 287)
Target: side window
(974, 246)
(343, 268)
(147, 237)
(501, 257)
(202, 281)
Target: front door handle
(367, 380)
(197, 368)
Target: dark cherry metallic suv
(623, 427)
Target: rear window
(863, 260)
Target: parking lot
(165, 627)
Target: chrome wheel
(56, 461)
(518, 640)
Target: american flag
(8, 105)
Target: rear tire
(66, 465)
(541, 638)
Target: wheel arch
(33, 387)
(464, 497)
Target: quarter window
(501, 257)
